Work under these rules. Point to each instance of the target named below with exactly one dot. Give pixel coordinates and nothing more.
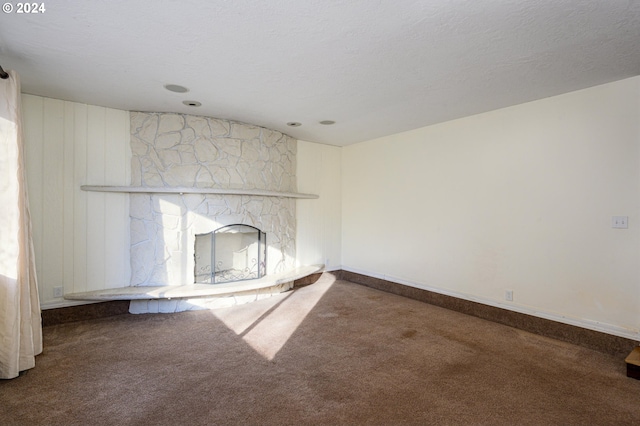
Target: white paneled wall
(319, 221)
(81, 239)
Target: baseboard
(84, 312)
(65, 304)
(333, 268)
(579, 334)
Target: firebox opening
(231, 253)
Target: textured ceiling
(375, 67)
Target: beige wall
(319, 220)
(81, 238)
(520, 198)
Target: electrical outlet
(621, 222)
(58, 292)
(508, 295)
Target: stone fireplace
(173, 151)
(196, 176)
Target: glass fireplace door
(230, 253)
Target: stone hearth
(166, 299)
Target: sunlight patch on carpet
(268, 324)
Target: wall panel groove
(81, 240)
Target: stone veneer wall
(174, 150)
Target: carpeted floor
(330, 353)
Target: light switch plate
(621, 222)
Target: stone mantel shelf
(194, 290)
(189, 190)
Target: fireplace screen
(230, 253)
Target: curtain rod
(3, 74)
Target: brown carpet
(329, 353)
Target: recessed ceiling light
(327, 122)
(294, 124)
(176, 88)
(192, 103)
